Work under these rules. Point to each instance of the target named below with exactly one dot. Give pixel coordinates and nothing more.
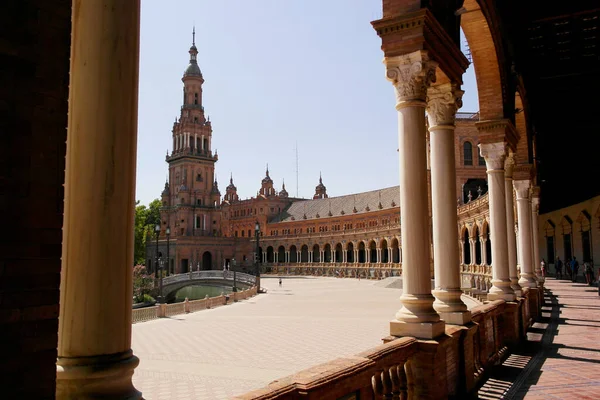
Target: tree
(145, 220)
(142, 284)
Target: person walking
(543, 268)
(568, 269)
(279, 281)
(588, 272)
(574, 268)
(559, 266)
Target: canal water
(198, 292)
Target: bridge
(172, 283)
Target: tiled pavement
(561, 359)
(223, 352)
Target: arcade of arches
(530, 66)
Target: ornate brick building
(207, 232)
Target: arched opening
(467, 153)
(567, 230)
(384, 252)
(395, 251)
(585, 226)
(207, 261)
(361, 253)
(466, 248)
(477, 247)
(488, 247)
(315, 254)
(372, 252)
(327, 253)
(205, 144)
(293, 254)
(281, 254)
(477, 187)
(304, 254)
(350, 253)
(338, 253)
(270, 254)
(550, 244)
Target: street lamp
(168, 233)
(161, 264)
(157, 231)
(257, 233)
(234, 277)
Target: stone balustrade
(187, 306)
(343, 270)
(399, 368)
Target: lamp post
(157, 231)
(234, 277)
(168, 233)
(161, 264)
(257, 233)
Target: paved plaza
(223, 352)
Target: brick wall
(34, 76)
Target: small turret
(320, 190)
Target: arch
(327, 253)
(549, 234)
(316, 256)
(478, 260)
(281, 254)
(293, 254)
(395, 251)
(466, 247)
(338, 253)
(488, 247)
(473, 185)
(304, 253)
(361, 252)
(207, 260)
(372, 252)
(350, 253)
(467, 153)
(484, 52)
(567, 230)
(384, 251)
(585, 228)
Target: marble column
(411, 75)
(535, 206)
(495, 155)
(442, 103)
(483, 244)
(525, 250)
(510, 225)
(95, 359)
(472, 244)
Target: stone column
(510, 225)
(378, 254)
(472, 244)
(482, 243)
(495, 154)
(442, 103)
(411, 75)
(535, 206)
(94, 332)
(524, 214)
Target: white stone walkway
(220, 353)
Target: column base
(450, 306)
(106, 376)
(528, 280)
(456, 317)
(514, 284)
(419, 330)
(501, 290)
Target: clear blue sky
(277, 73)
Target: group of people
(571, 267)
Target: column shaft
(525, 250)
(94, 339)
(534, 237)
(411, 75)
(495, 154)
(510, 227)
(443, 101)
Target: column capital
(522, 188)
(442, 103)
(411, 74)
(494, 155)
(535, 202)
(509, 165)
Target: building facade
(207, 231)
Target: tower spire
(194, 35)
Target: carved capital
(442, 103)
(494, 155)
(509, 165)
(411, 74)
(522, 188)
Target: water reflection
(197, 292)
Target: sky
(280, 76)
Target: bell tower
(191, 193)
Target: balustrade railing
(209, 275)
(364, 270)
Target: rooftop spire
(320, 178)
(193, 69)
(194, 35)
(231, 178)
(267, 169)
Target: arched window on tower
(468, 153)
(195, 98)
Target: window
(236, 233)
(182, 200)
(195, 98)
(243, 233)
(199, 177)
(198, 202)
(468, 153)
(481, 159)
